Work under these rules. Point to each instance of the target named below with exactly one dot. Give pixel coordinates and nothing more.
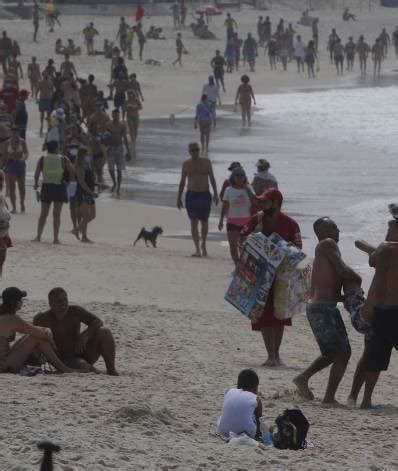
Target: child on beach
(242, 408)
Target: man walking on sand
(328, 276)
(381, 313)
(180, 49)
(198, 171)
(80, 349)
(117, 137)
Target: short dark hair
(55, 291)
(52, 146)
(248, 379)
(320, 221)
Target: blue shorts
(17, 168)
(45, 105)
(198, 204)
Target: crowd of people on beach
(80, 135)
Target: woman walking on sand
(85, 193)
(237, 201)
(310, 58)
(245, 95)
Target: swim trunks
(353, 303)
(16, 168)
(45, 105)
(198, 204)
(329, 329)
(383, 339)
(116, 157)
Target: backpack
(292, 428)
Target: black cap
(234, 165)
(12, 294)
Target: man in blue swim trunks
(328, 276)
(198, 171)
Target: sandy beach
(180, 346)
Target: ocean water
(333, 152)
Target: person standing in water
(244, 96)
(206, 118)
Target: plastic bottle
(267, 437)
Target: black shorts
(119, 99)
(383, 339)
(198, 204)
(233, 227)
(54, 193)
(338, 59)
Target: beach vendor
(76, 348)
(269, 220)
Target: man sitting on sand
(75, 348)
(328, 275)
(198, 171)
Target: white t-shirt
(299, 49)
(212, 92)
(239, 205)
(237, 413)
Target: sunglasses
(194, 149)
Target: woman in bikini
(16, 153)
(13, 357)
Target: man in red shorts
(271, 219)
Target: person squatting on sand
(13, 357)
(328, 276)
(77, 349)
(271, 219)
(198, 171)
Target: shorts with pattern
(329, 329)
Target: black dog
(150, 236)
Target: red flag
(139, 13)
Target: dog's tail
(139, 236)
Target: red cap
(271, 194)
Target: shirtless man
(198, 171)
(97, 126)
(46, 91)
(36, 20)
(218, 63)
(67, 67)
(88, 94)
(363, 50)
(122, 34)
(179, 49)
(350, 49)
(377, 57)
(14, 71)
(328, 276)
(132, 107)
(380, 312)
(89, 33)
(338, 55)
(117, 138)
(80, 349)
(34, 76)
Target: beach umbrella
(208, 10)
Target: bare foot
(37, 239)
(22, 208)
(351, 401)
(204, 250)
(112, 373)
(302, 387)
(279, 362)
(56, 242)
(366, 405)
(196, 255)
(269, 363)
(87, 240)
(13, 211)
(331, 403)
(75, 232)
